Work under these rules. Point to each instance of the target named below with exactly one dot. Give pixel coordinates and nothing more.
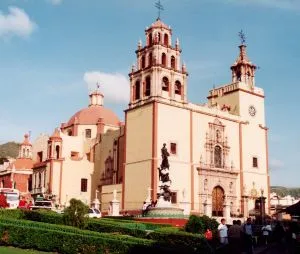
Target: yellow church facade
(218, 150)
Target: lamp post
(262, 206)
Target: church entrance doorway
(217, 201)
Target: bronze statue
(164, 174)
(164, 154)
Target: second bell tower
(158, 72)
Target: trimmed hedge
(63, 242)
(182, 241)
(11, 213)
(100, 226)
(167, 238)
(70, 229)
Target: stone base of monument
(165, 212)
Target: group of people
(147, 207)
(24, 204)
(240, 237)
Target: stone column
(208, 207)
(115, 205)
(226, 209)
(185, 205)
(96, 202)
(246, 209)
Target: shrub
(101, 226)
(65, 242)
(43, 216)
(199, 225)
(11, 213)
(75, 214)
(182, 241)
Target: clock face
(252, 110)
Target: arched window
(173, 64)
(143, 62)
(163, 59)
(57, 148)
(148, 86)
(70, 132)
(27, 153)
(150, 39)
(166, 40)
(238, 76)
(49, 150)
(217, 201)
(150, 59)
(178, 87)
(159, 37)
(29, 183)
(218, 157)
(40, 179)
(137, 90)
(165, 84)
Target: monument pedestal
(115, 208)
(186, 206)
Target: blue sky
(51, 49)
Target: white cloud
(55, 2)
(275, 164)
(114, 86)
(282, 4)
(16, 22)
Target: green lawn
(11, 250)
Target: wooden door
(217, 201)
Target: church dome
(92, 114)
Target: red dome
(92, 114)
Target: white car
(94, 213)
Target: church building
(218, 150)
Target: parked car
(94, 213)
(42, 204)
(46, 205)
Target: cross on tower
(242, 37)
(159, 7)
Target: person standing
(234, 237)
(223, 230)
(144, 209)
(266, 231)
(248, 234)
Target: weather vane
(242, 37)
(98, 85)
(159, 7)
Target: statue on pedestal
(164, 175)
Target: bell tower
(25, 150)
(158, 72)
(243, 70)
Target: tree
(76, 213)
(3, 202)
(199, 225)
